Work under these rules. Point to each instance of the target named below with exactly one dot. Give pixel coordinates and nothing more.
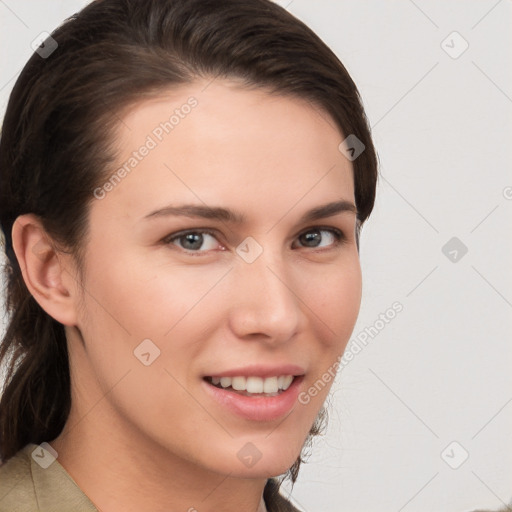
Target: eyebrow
(233, 217)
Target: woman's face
(176, 300)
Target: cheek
(336, 303)
(128, 301)
(146, 299)
(335, 306)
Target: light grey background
(439, 372)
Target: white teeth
(270, 385)
(225, 382)
(287, 381)
(255, 384)
(238, 383)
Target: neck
(117, 477)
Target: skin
(148, 437)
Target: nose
(266, 306)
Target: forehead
(219, 142)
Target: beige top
(25, 486)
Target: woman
(183, 184)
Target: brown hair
(56, 147)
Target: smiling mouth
(253, 386)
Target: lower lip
(258, 408)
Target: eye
(192, 240)
(313, 237)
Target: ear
(48, 274)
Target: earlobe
(43, 269)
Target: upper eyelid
(213, 230)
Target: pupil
(194, 238)
(312, 236)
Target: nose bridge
(266, 301)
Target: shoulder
(507, 508)
(25, 486)
(274, 500)
(16, 484)
(33, 480)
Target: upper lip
(260, 370)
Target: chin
(264, 458)
(262, 470)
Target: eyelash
(339, 236)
